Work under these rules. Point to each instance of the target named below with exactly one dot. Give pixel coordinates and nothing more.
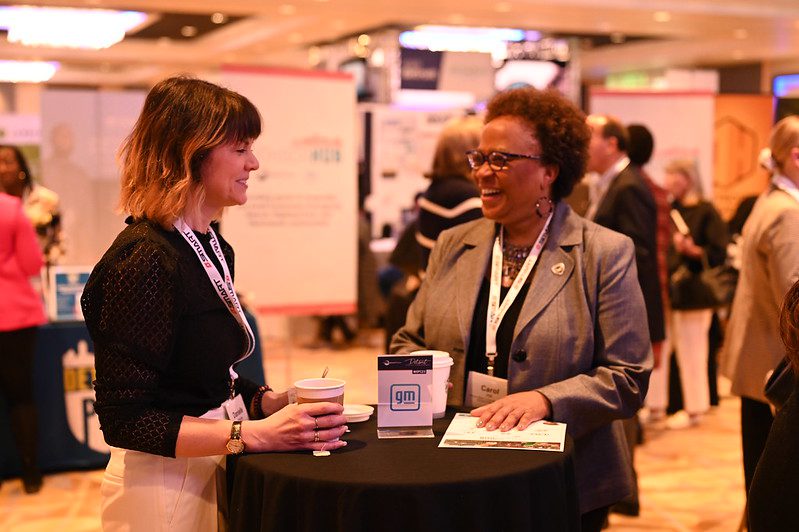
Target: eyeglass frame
(507, 155)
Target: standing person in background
(620, 200)
(21, 313)
(642, 144)
(168, 328)
(769, 267)
(41, 204)
(703, 245)
(451, 199)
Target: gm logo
(405, 397)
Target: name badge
(235, 409)
(482, 389)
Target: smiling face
(509, 195)
(224, 173)
(10, 169)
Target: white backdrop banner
(680, 122)
(403, 145)
(296, 238)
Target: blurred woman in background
(21, 313)
(700, 241)
(41, 204)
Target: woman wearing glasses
(537, 300)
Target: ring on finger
(315, 424)
(315, 436)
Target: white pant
(144, 492)
(689, 336)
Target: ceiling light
(460, 39)
(377, 58)
(67, 27)
(27, 71)
(314, 56)
(662, 16)
(188, 31)
(364, 39)
(218, 18)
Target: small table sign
(405, 404)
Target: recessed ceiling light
(364, 39)
(188, 31)
(662, 16)
(314, 55)
(218, 18)
(286, 9)
(27, 71)
(503, 7)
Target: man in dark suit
(621, 200)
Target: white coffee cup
(320, 390)
(442, 363)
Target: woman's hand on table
(313, 426)
(516, 410)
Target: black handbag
(710, 288)
(780, 384)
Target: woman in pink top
(21, 313)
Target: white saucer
(357, 413)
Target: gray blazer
(585, 331)
(769, 267)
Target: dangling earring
(21, 176)
(550, 207)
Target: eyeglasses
(497, 160)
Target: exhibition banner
(296, 238)
(680, 122)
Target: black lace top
(163, 340)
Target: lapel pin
(559, 268)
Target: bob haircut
(23, 165)
(686, 167)
(458, 136)
(558, 126)
(183, 119)
(784, 137)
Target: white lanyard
(496, 311)
(786, 185)
(224, 288)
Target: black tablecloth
(404, 485)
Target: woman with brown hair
(167, 326)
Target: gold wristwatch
(235, 445)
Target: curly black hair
(559, 127)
